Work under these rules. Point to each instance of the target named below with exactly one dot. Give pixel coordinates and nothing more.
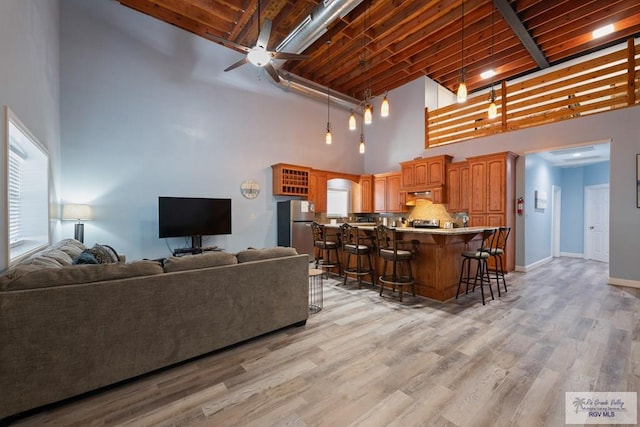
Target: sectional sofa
(68, 329)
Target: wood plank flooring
(366, 360)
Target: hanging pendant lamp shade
(384, 108)
(462, 92)
(361, 148)
(492, 112)
(328, 139)
(368, 115)
(352, 121)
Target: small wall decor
(250, 189)
(541, 199)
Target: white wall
(29, 78)
(146, 110)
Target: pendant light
(462, 89)
(352, 121)
(361, 148)
(492, 112)
(384, 108)
(328, 138)
(368, 114)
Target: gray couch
(70, 329)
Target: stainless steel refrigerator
(294, 225)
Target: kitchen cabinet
(318, 190)
(387, 195)
(421, 174)
(492, 195)
(458, 182)
(365, 196)
(290, 180)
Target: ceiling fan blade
(289, 56)
(272, 72)
(227, 43)
(237, 64)
(265, 33)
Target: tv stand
(193, 251)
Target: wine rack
(290, 180)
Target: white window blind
(337, 202)
(15, 179)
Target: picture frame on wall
(540, 199)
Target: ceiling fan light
(368, 115)
(352, 121)
(384, 108)
(462, 92)
(258, 56)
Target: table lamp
(77, 212)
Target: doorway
(596, 222)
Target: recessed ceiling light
(603, 31)
(577, 154)
(487, 74)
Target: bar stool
(324, 244)
(396, 251)
(481, 255)
(355, 243)
(497, 253)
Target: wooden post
(631, 72)
(426, 128)
(503, 90)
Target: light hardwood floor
(370, 361)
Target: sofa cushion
(75, 274)
(203, 260)
(267, 253)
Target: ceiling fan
(258, 55)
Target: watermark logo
(601, 407)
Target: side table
(315, 290)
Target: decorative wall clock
(250, 189)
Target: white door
(597, 222)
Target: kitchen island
(436, 268)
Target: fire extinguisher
(520, 205)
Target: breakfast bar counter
(436, 268)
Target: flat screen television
(193, 217)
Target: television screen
(193, 216)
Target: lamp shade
(76, 212)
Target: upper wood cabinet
(421, 174)
(290, 180)
(387, 195)
(318, 190)
(363, 198)
(458, 182)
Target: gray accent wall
(29, 85)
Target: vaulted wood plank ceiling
(383, 44)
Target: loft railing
(601, 84)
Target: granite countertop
(445, 231)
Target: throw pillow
(104, 254)
(85, 257)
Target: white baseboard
(571, 255)
(534, 265)
(624, 282)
